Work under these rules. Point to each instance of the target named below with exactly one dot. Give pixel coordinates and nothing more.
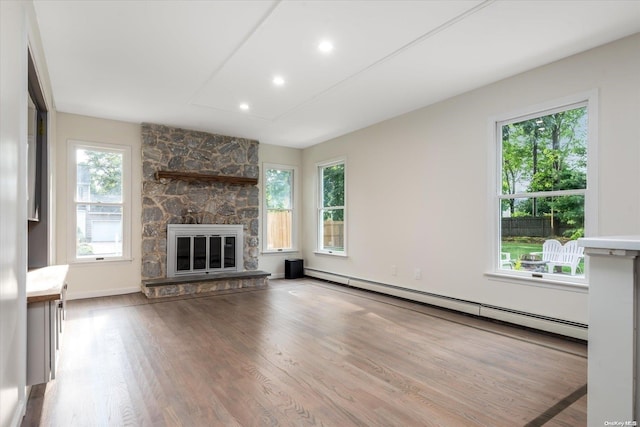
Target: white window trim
(590, 99)
(72, 146)
(294, 208)
(319, 207)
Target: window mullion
(554, 193)
(100, 203)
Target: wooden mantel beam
(205, 177)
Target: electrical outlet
(417, 274)
(394, 270)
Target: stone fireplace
(174, 161)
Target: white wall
(274, 263)
(13, 86)
(18, 33)
(108, 277)
(418, 185)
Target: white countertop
(611, 242)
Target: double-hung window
(280, 215)
(332, 207)
(99, 179)
(544, 188)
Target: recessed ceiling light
(244, 106)
(278, 80)
(325, 46)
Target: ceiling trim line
(244, 40)
(440, 28)
(451, 22)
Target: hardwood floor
(304, 353)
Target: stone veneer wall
(168, 201)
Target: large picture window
(100, 201)
(332, 208)
(279, 228)
(543, 191)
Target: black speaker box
(293, 268)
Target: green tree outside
(333, 192)
(547, 153)
(105, 172)
(278, 188)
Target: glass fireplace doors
(196, 249)
(203, 254)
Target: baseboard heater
(543, 323)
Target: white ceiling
(191, 63)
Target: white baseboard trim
(276, 276)
(102, 293)
(542, 323)
(555, 326)
(326, 276)
(451, 303)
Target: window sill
(546, 281)
(283, 251)
(94, 261)
(329, 253)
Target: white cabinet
(46, 290)
(614, 344)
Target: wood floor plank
(303, 353)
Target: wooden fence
(280, 229)
(280, 225)
(333, 234)
(532, 227)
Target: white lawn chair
(551, 251)
(557, 255)
(505, 261)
